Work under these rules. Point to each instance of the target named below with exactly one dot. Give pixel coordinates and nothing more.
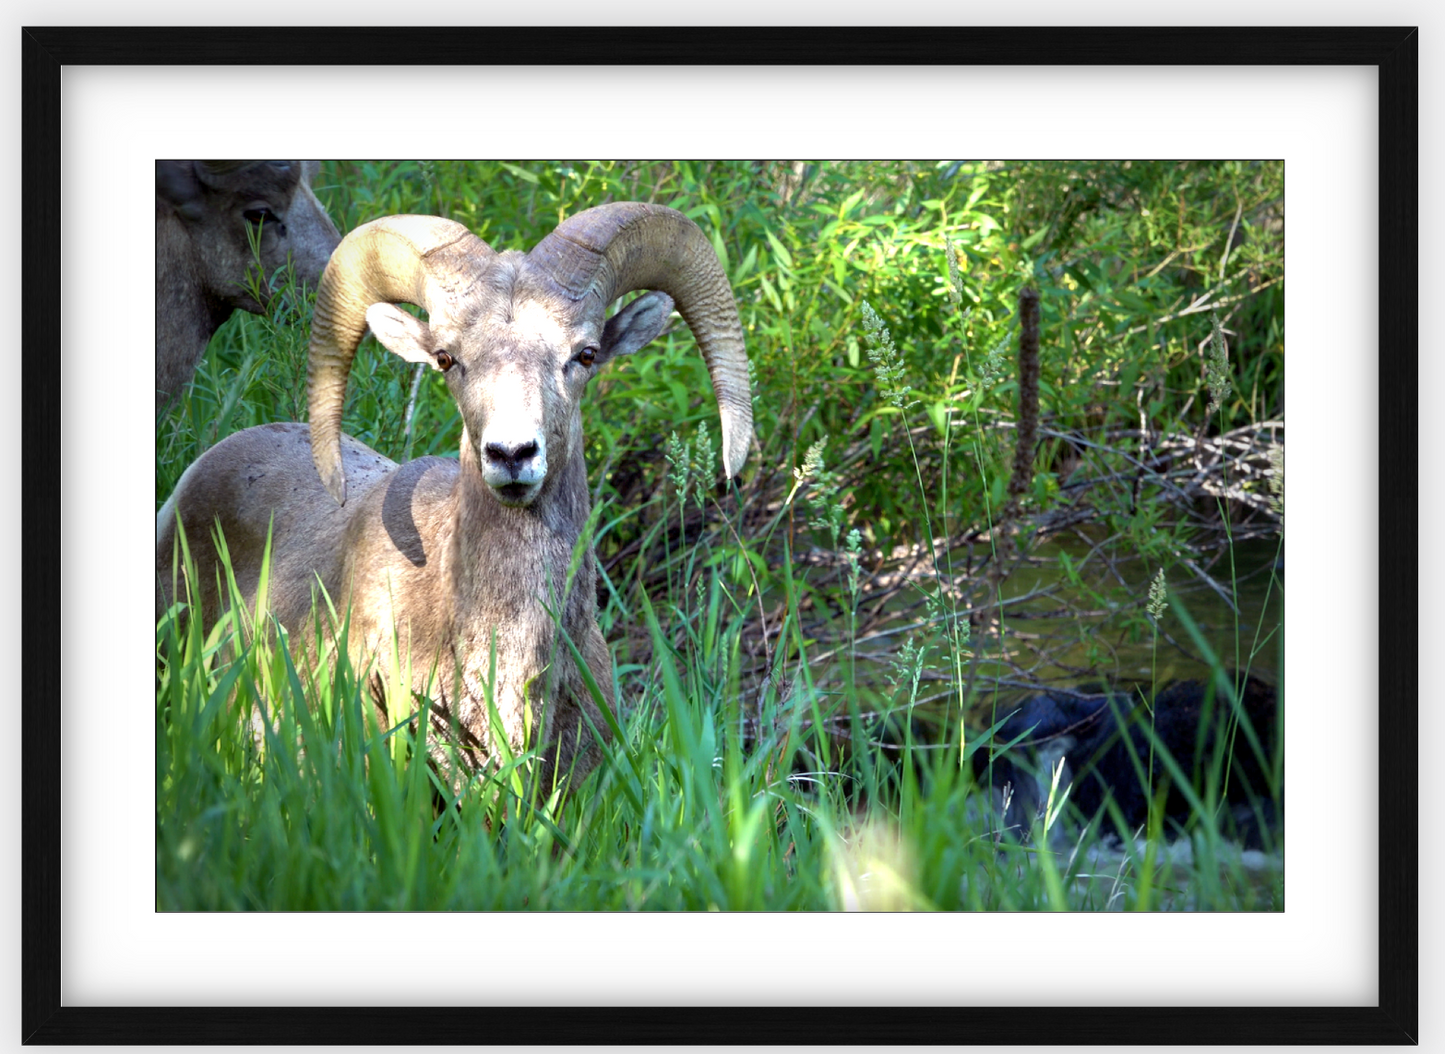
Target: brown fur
(433, 568)
(458, 558)
(203, 253)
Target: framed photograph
(101, 963)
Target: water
(1074, 618)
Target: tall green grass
(279, 788)
(772, 747)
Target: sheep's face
(517, 373)
(226, 207)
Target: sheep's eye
(587, 356)
(445, 361)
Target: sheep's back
(259, 481)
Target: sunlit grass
(277, 789)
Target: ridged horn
(422, 260)
(610, 250)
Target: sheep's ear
(401, 334)
(177, 185)
(635, 325)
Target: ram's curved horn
(614, 249)
(422, 260)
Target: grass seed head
(1157, 593)
(887, 362)
(1216, 365)
(679, 456)
(1276, 481)
(953, 251)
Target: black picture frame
(1393, 51)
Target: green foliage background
(1121, 253)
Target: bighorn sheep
(454, 555)
(206, 214)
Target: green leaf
(750, 260)
(1134, 302)
(715, 236)
(938, 414)
(782, 255)
(520, 172)
(771, 293)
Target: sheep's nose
(511, 456)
